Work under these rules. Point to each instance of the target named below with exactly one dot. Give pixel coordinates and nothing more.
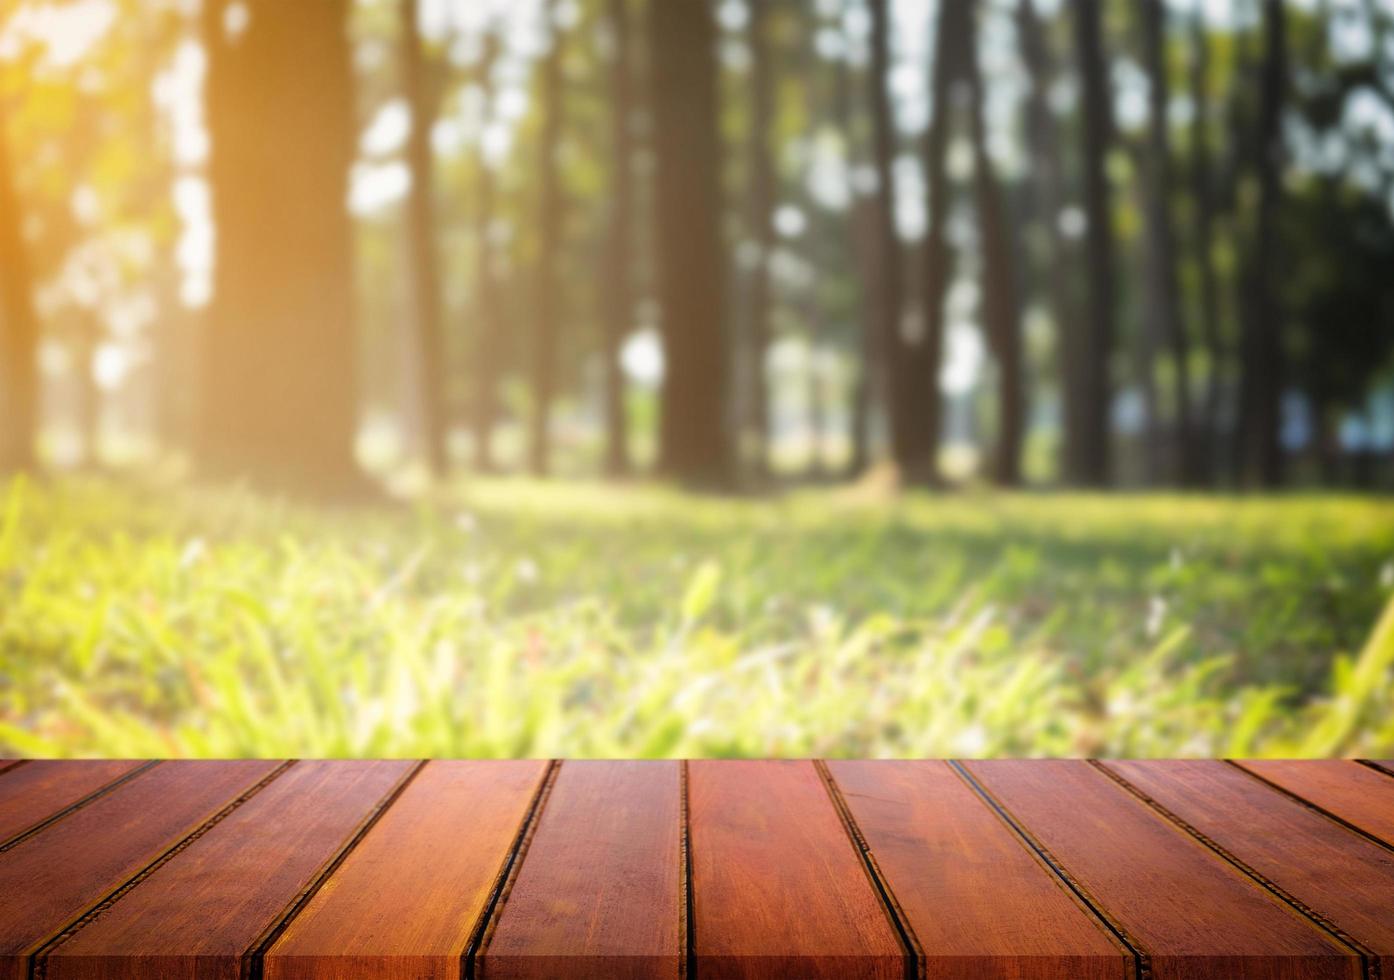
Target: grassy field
(527, 619)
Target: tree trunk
(1087, 442)
(19, 328)
(1261, 331)
(1206, 429)
(544, 346)
(280, 401)
(619, 291)
(487, 327)
(869, 387)
(912, 391)
(1001, 318)
(421, 244)
(1163, 312)
(953, 32)
(1054, 268)
(761, 205)
(861, 232)
(693, 441)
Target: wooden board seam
(96, 794)
(1315, 808)
(483, 930)
(914, 952)
(1131, 946)
(1369, 962)
(252, 961)
(38, 960)
(1372, 764)
(687, 925)
(9, 764)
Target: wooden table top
(526, 869)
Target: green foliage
(519, 618)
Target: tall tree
(862, 232)
(488, 332)
(1052, 262)
(423, 97)
(549, 222)
(279, 386)
(761, 193)
(952, 32)
(1164, 325)
(1001, 316)
(1207, 426)
(619, 294)
(693, 441)
(1087, 428)
(912, 392)
(1260, 388)
(19, 330)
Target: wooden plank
(1339, 875)
(50, 879)
(1192, 914)
(207, 908)
(600, 892)
(40, 791)
(411, 895)
(979, 901)
(1359, 795)
(778, 887)
(1387, 765)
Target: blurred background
(653, 377)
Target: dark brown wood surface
(936, 842)
(1189, 912)
(1343, 878)
(779, 888)
(409, 898)
(49, 880)
(210, 904)
(514, 870)
(1359, 795)
(36, 792)
(561, 917)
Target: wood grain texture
(778, 887)
(1357, 794)
(40, 790)
(1341, 876)
(599, 893)
(50, 879)
(1191, 913)
(408, 897)
(979, 901)
(199, 914)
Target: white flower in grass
(191, 555)
(971, 742)
(1156, 616)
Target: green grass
(585, 620)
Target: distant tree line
(1195, 292)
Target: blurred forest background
(808, 252)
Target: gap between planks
(1141, 962)
(1369, 962)
(73, 807)
(38, 958)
